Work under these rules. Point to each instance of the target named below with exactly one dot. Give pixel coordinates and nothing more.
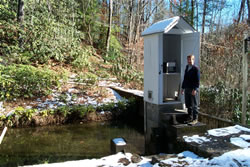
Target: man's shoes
(188, 121)
(194, 122)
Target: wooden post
(244, 83)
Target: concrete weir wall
(127, 94)
(151, 124)
(158, 122)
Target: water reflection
(24, 146)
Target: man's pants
(191, 104)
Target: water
(26, 146)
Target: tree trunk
(203, 24)
(89, 35)
(138, 21)
(211, 22)
(130, 28)
(203, 20)
(130, 21)
(117, 15)
(180, 9)
(248, 7)
(171, 6)
(20, 18)
(139, 14)
(20, 12)
(102, 36)
(110, 26)
(192, 12)
(197, 14)
(242, 7)
(142, 15)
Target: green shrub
(114, 50)
(81, 59)
(107, 107)
(46, 112)
(26, 81)
(125, 72)
(63, 110)
(223, 102)
(79, 111)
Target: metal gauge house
(167, 44)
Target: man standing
(190, 86)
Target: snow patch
(224, 131)
(196, 138)
(119, 141)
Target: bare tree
(197, 14)
(192, 12)
(248, 7)
(242, 7)
(110, 26)
(130, 28)
(203, 20)
(20, 18)
(117, 15)
(150, 10)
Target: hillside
(45, 44)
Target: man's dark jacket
(191, 78)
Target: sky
(231, 12)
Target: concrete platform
(180, 130)
(215, 146)
(173, 117)
(175, 132)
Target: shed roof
(174, 25)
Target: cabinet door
(152, 71)
(190, 44)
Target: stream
(38, 145)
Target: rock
(92, 116)
(162, 164)
(136, 158)
(154, 160)
(124, 161)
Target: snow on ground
(196, 138)
(109, 161)
(240, 157)
(236, 158)
(119, 141)
(132, 91)
(227, 131)
(241, 141)
(73, 96)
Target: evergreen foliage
(26, 81)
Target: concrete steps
(173, 117)
(181, 130)
(172, 128)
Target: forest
(43, 41)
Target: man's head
(190, 59)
